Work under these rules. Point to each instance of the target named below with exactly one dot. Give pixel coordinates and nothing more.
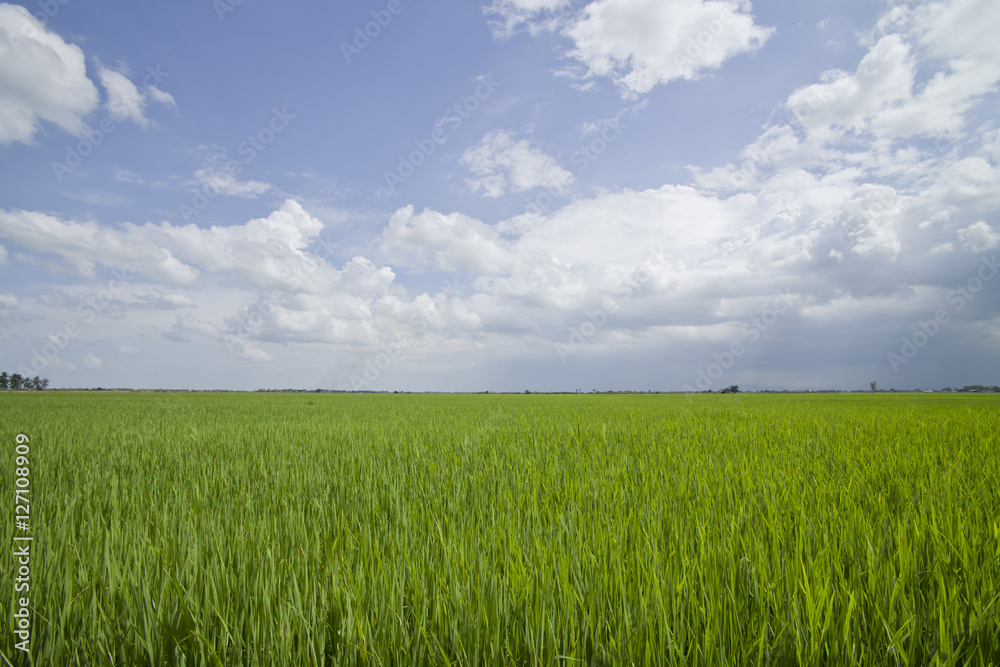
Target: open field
(239, 529)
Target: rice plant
(305, 529)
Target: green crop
(307, 529)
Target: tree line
(19, 383)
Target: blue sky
(504, 195)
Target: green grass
(254, 529)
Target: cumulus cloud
(84, 244)
(885, 94)
(504, 164)
(450, 242)
(42, 78)
(847, 101)
(842, 223)
(294, 295)
(125, 100)
(979, 236)
(638, 44)
(644, 43)
(264, 251)
(958, 29)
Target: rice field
(333, 529)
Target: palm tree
(45, 384)
(4, 380)
(16, 381)
(35, 383)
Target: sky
(500, 195)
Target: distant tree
(16, 381)
(4, 380)
(45, 384)
(733, 389)
(35, 383)
(874, 386)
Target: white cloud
(42, 78)
(958, 29)
(218, 179)
(971, 183)
(847, 101)
(84, 244)
(263, 251)
(643, 43)
(503, 164)
(450, 242)
(304, 298)
(91, 361)
(511, 14)
(979, 236)
(885, 94)
(962, 35)
(161, 97)
(126, 101)
(638, 43)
